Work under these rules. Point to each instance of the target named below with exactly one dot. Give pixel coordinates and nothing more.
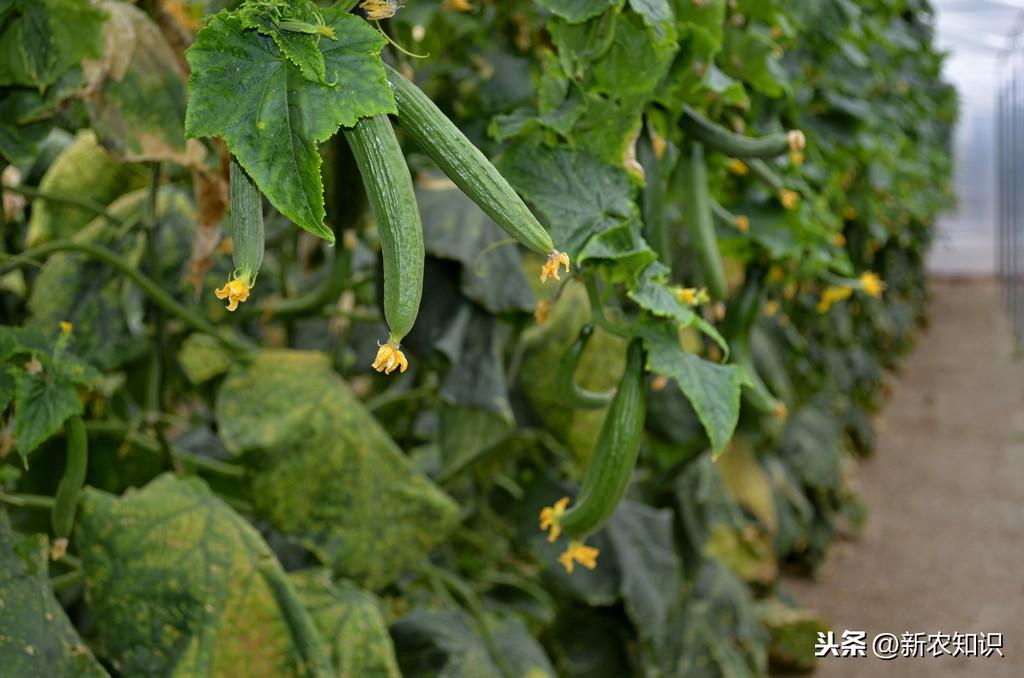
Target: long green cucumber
(565, 377)
(393, 201)
(465, 165)
(700, 224)
(653, 201)
(615, 453)
(247, 235)
(66, 500)
(738, 327)
(737, 145)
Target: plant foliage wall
(203, 475)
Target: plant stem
(38, 501)
(62, 582)
(120, 428)
(95, 208)
(154, 376)
(597, 311)
(157, 294)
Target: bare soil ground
(943, 549)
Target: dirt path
(943, 549)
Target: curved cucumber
(565, 378)
(246, 224)
(614, 457)
(730, 143)
(393, 201)
(465, 165)
(66, 501)
(700, 223)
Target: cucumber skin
(565, 376)
(700, 223)
(66, 500)
(465, 165)
(614, 457)
(393, 201)
(246, 222)
(729, 143)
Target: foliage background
(227, 486)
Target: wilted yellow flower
(579, 553)
(797, 141)
(839, 240)
(33, 366)
(381, 9)
(743, 223)
(549, 518)
(390, 358)
(58, 549)
(871, 284)
(780, 410)
(458, 5)
(832, 295)
(738, 167)
(550, 267)
(789, 199)
(771, 307)
(235, 292)
(543, 311)
(659, 383)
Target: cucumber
(614, 456)
(465, 165)
(565, 378)
(246, 224)
(739, 326)
(736, 145)
(393, 202)
(66, 500)
(700, 224)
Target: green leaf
(203, 358)
(712, 389)
(362, 509)
(351, 622)
(244, 89)
(46, 39)
(302, 49)
(136, 94)
(42, 403)
(36, 636)
(576, 194)
(577, 11)
(173, 578)
(455, 228)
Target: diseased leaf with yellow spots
(180, 585)
(36, 636)
(323, 471)
(351, 623)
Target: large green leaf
(42, 403)
(351, 623)
(180, 585)
(244, 89)
(577, 194)
(713, 389)
(46, 38)
(37, 639)
(323, 470)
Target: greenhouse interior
(511, 338)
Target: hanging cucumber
(393, 201)
(738, 327)
(700, 224)
(565, 378)
(738, 145)
(66, 500)
(246, 236)
(471, 171)
(611, 466)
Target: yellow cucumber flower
(743, 223)
(550, 267)
(738, 167)
(543, 311)
(458, 5)
(578, 553)
(390, 358)
(692, 296)
(66, 327)
(871, 284)
(235, 292)
(797, 141)
(832, 295)
(789, 199)
(549, 518)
